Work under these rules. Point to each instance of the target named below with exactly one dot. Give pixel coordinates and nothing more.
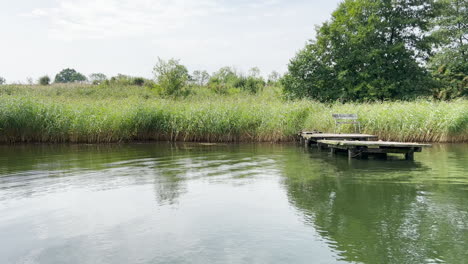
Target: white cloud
(89, 19)
(126, 36)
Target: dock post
(409, 155)
(350, 153)
(332, 151)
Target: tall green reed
(91, 115)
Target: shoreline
(206, 143)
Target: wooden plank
(392, 150)
(337, 136)
(372, 143)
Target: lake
(230, 203)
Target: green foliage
(97, 78)
(451, 24)
(200, 78)
(451, 82)
(2, 80)
(121, 79)
(368, 51)
(223, 80)
(69, 76)
(252, 84)
(449, 66)
(44, 80)
(171, 76)
(125, 80)
(88, 113)
(227, 80)
(138, 81)
(273, 78)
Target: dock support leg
(351, 153)
(332, 151)
(409, 155)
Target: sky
(42, 37)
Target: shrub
(139, 81)
(44, 80)
(171, 76)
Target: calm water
(194, 203)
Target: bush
(227, 79)
(139, 81)
(44, 80)
(68, 76)
(171, 76)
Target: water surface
(201, 203)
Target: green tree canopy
(449, 66)
(171, 76)
(369, 50)
(2, 80)
(68, 76)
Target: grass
(92, 114)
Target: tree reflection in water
(371, 212)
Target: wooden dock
(361, 149)
(309, 138)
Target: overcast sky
(39, 37)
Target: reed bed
(87, 114)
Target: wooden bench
(341, 119)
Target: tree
(2, 80)
(254, 72)
(370, 50)
(449, 66)
(69, 75)
(226, 75)
(274, 77)
(227, 78)
(200, 78)
(224, 79)
(97, 78)
(171, 76)
(451, 26)
(253, 84)
(44, 80)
